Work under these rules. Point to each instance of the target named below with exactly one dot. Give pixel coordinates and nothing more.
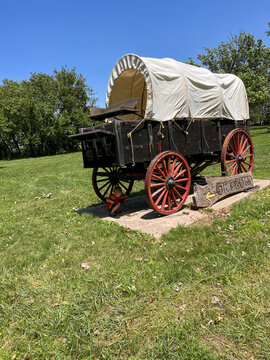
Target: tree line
(36, 115)
(249, 59)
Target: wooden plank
(150, 139)
(119, 143)
(219, 187)
(86, 135)
(124, 107)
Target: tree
(249, 59)
(74, 99)
(36, 115)
(11, 114)
(268, 31)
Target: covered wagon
(164, 122)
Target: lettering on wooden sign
(218, 187)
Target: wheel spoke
(235, 145)
(181, 187)
(178, 194)
(238, 147)
(243, 146)
(245, 162)
(249, 155)
(241, 141)
(235, 163)
(157, 184)
(181, 173)
(173, 165)
(246, 150)
(235, 154)
(168, 165)
(124, 186)
(103, 186)
(164, 167)
(177, 168)
(158, 178)
(181, 180)
(174, 199)
(233, 171)
(242, 166)
(234, 168)
(160, 171)
(228, 154)
(157, 191)
(102, 180)
(105, 170)
(106, 191)
(164, 200)
(102, 174)
(230, 161)
(169, 201)
(160, 197)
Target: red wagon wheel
(106, 178)
(237, 155)
(167, 182)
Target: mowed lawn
(196, 293)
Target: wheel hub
(170, 183)
(114, 178)
(239, 159)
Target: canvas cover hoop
(171, 90)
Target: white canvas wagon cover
(168, 89)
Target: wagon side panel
(140, 143)
(185, 137)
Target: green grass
(198, 293)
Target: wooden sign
(218, 187)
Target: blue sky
(40, 35)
